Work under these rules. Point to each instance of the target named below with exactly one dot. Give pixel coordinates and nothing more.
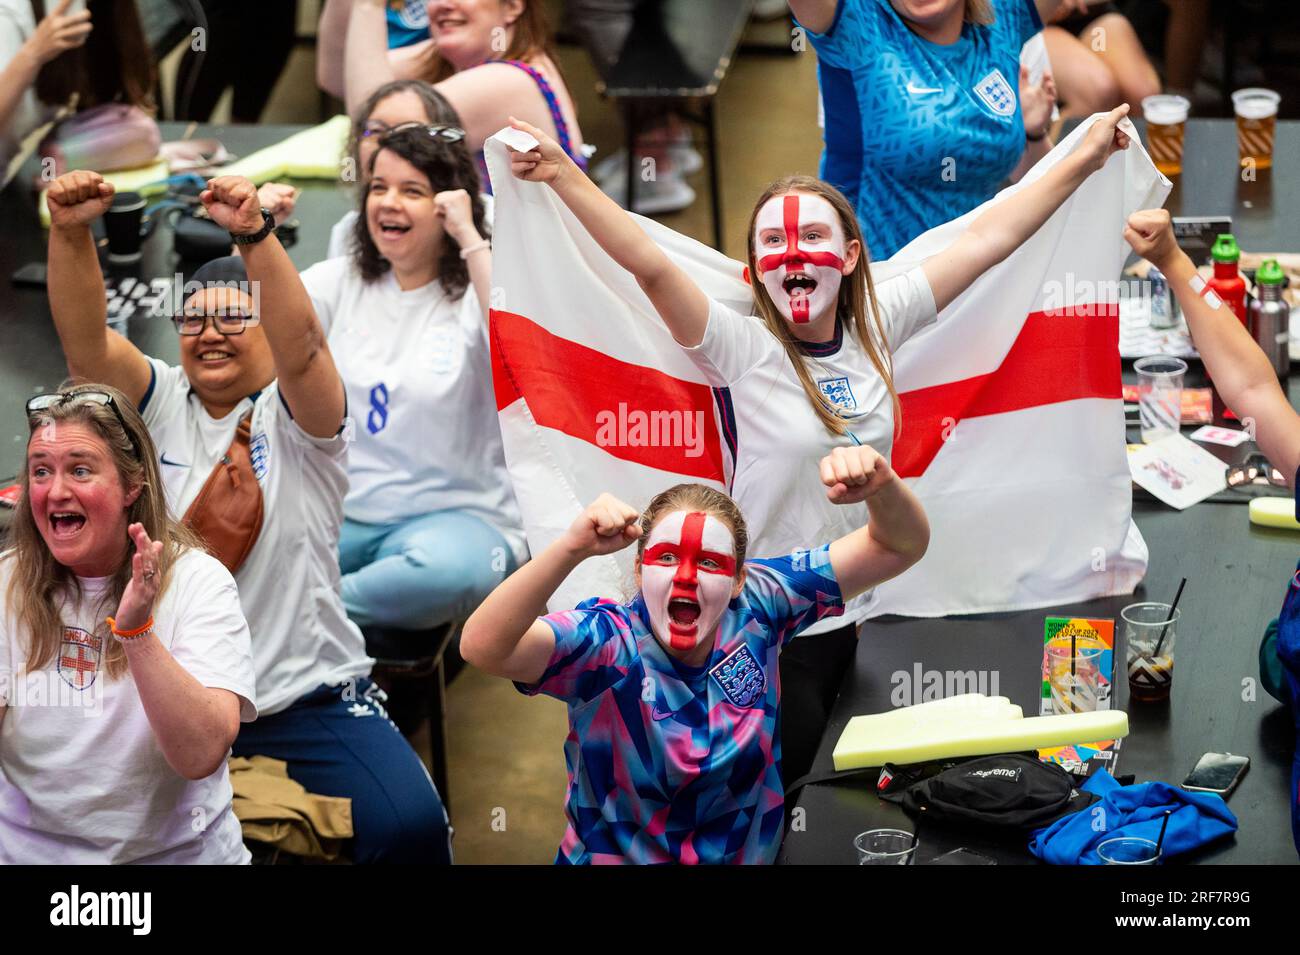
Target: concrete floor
(506, 760)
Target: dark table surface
(1237, 574)
(31, 361)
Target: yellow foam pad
(973, 730)
(1274, 512)
(311, 154)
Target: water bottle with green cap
(1270, 316)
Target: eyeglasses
(45, 402)
(1254, 470)
(374, 129)
(226, 323)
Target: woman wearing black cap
(266, 395)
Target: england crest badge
(741, 677)
(79, 658)
(838, 392)
(997, 93)
(259, 450)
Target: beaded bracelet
(469, 250)
(126, 636)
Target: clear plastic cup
(1074, 679)
(886, 847)
(1160, 395)
(1256, 111)
(1166, 118)
(1128, 850)
(1150, 630)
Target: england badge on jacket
(741, 677)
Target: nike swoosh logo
(656, 715)
(175, 464)
(916, 90)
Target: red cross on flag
(1012, 423)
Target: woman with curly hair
(430, 520)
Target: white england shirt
(418, 373)
(289, 584)
(780, 439)
(82, 778)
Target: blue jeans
(338, 741)
(420, 573)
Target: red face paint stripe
(793, 256)
(567, 385)
(1054, 359)
(726, 563)
(692, 543)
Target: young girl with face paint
(674, 696)
(814, 373)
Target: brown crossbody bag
(227, 514)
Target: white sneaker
(656, 197)
(685, 158)
(770, 9)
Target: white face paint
(688, 571)
(800, 249)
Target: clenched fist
(457, 212)
(608, 525)
(1151, 234)
(78, 198)
(852, 475)
(233, 204)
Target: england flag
(1012, 421)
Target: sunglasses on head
(226, 323)
(374, 129)
(1254, 470)
(45, 402)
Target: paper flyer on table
(1176, 471)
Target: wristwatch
(251, 238)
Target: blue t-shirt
(917, 134)
(408, 23)
(670, 763)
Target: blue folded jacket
(1138, 810)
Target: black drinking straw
(1173, 609)
(1160, 840)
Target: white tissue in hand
(516, 139)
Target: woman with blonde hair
(815, 373)
(125, 666)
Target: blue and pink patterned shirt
(670, 763)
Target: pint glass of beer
(1256, 111)
(1166, 118)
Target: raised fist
(233, 204)
(78, 198)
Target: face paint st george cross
(687, 574)
(799, 247)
